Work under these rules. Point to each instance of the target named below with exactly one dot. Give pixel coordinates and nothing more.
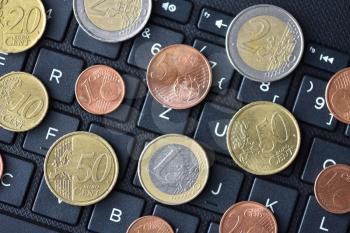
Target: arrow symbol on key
(327, 59)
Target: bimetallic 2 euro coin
(173, 169)
(263, 138)
(112, 20)
(81, 168)
(264, 43)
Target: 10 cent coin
(263, 138)
(150, 224)
(81, 168)
(173, 169)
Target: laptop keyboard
(26, 204)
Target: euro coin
(263, 138)
(81, 168)
(332, 189)
(22, 24)
(24, 102)
(248, 216)
(112, 20)
(264, 43)
(173, 169)
(150, 224)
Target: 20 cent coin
(150, 224)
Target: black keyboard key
(162, 120)
(213, 228)
(325, 58)
(59, 73)
(347, 131)
(178, 10)
(13, 225)
(149, 42)
(317, 220)
(58, 17)
(54, 126)
(310, 105)
(83, 41)
(48, 205)
(221, 190)
(221, 66)
(323, 154)
(11, 62)
(214, 21)
(279, 199)
(276, 92)
(212, 127)
(115, 213)
(122, 143)
(181, 222)
(132, 85)
(15, 180)
(6, 136)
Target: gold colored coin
(113, 15)
(22, 24)
(258, 42)
(24, 101)
(81, 168)
(263, 138)
(173, 169)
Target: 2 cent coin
(150, 224)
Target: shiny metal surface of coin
(112, 20)
(24, 102)
(264, 43)
(338, 95)
(150, 224)
(81, 168)
(332, 189)
(22, 24)
(100, 89)
(263, 138)
(248, 216)
(173, 169)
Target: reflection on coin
(332, 189)
(264, 43)
(1, 166)
(81, 168)
(173, 169)
(179, 77)
(22, 23)
(248, 216)
(150, 224)
(263, 138)
(338, 95)
(100, 89)
(112, 20)
(24, 101)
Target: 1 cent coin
(338, 95)
(179, 77)
(1, 166)
(332, 189)
(150, 224)
(100, 89)
(248, 216)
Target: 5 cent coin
(173, 169)
(150, 224)
(24, 101)
(100, 89)
(248, 216)
(179, 77)
(263, 138)
(332, 189)
(81, 168)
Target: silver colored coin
(257, 29)
(174, 169)
(111, 8)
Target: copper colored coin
(1, 166)
(179, 77)
(150, 224)
(100, 89)
(338, 95)
(248, 216)
(332, 189)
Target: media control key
(178, 10)
(214, 22)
